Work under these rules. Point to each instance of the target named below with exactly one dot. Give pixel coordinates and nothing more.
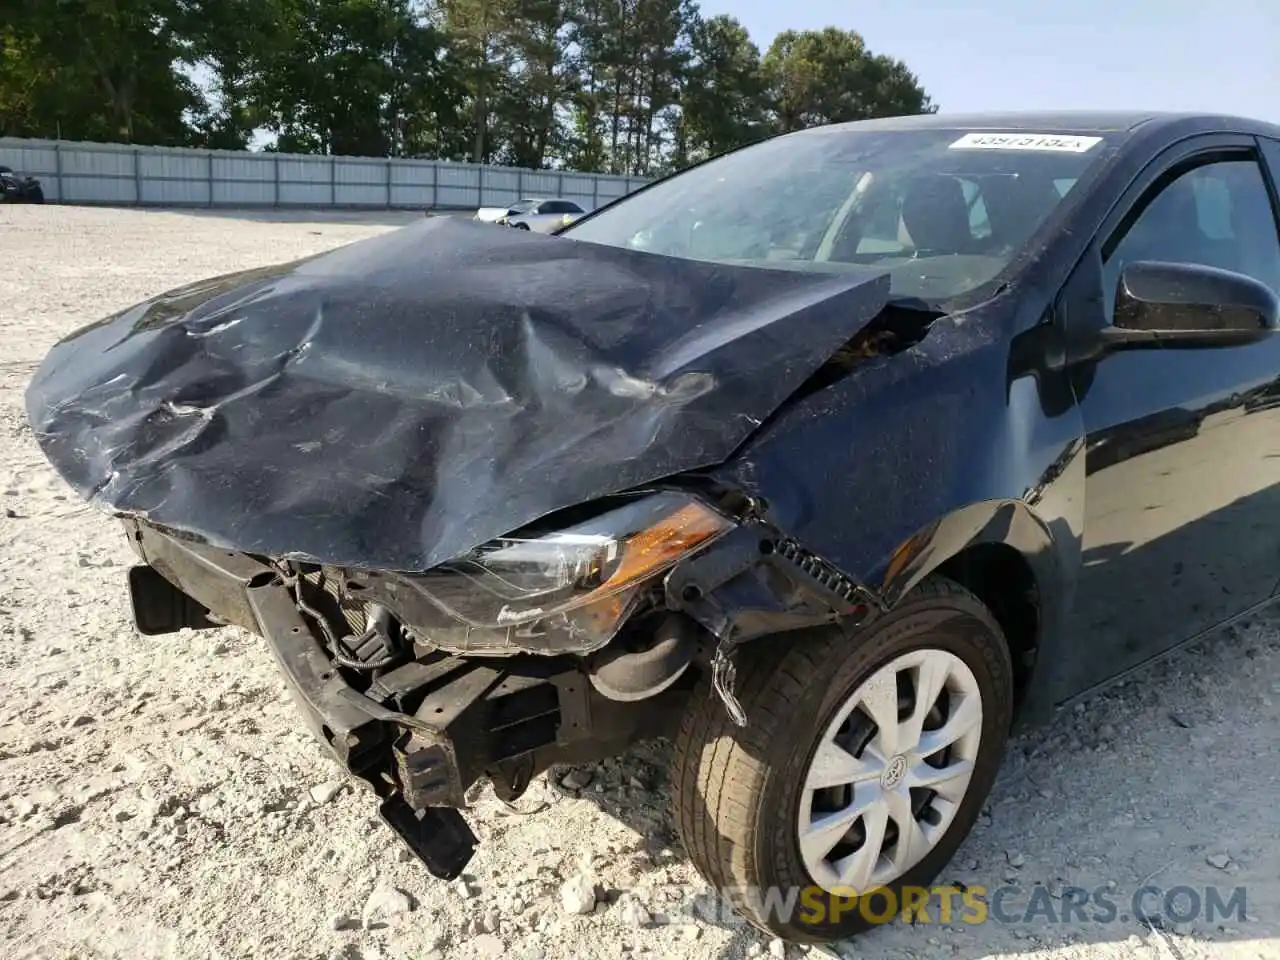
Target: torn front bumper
(421, 733)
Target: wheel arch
(1011, 560)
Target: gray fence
(110, 173)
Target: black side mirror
(1185, 304)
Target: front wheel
(865, 762)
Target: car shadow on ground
(1104, 824)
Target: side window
(1218, 214)
(979, 220)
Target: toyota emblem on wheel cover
(894, 771)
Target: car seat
(936, 216)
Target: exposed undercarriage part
(419, 724)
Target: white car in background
(541, 215)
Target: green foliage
(829, 76)
(727, 101)
(96, 70)
(627, 86)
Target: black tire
(35, 195)
(737, 790)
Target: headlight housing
(554, 591)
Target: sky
(974, 55)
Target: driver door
(1182, 493)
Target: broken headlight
(555, 591)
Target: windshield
(942, 211)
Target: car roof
(1049, 121)
(549, 199)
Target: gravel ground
(158, 797)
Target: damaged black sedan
(827, 459)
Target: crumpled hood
(400, 400)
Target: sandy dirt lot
(159, 798)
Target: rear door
(1182, 494)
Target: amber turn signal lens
(661, 545)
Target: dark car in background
(19, 188)
(829, 458)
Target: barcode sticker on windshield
(1026, 141)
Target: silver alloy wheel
(890, 772)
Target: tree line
(620, 86)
